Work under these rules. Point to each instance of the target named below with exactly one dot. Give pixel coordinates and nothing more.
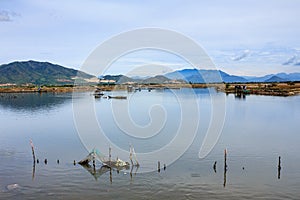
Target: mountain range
(214, 76)
(280, 77)
(203, 76)
(45, 73)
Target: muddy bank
(274, 89)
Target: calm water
(256, 131)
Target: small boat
(116, 97)
(97, 96)
(98, 93)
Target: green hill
(40, 73)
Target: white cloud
(7, 15)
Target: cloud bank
(7, 16)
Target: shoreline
(270, 89)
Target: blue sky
(247, 37)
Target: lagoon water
(257, 129)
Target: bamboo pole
(32, 149)
(109, 156)
(130, 154)
(225, 160)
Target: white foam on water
(12, 186)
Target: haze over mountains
(45, 73)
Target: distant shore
(273, 89)
(53, 89)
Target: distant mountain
(232, 78)
(41, 73)
(159, 79)
(275, 79)
(258, 79)
(289, 77)
(45, 73)
(280, 77)
(119, 79)
(213, 76)
(204, 76)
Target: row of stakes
(164, 166)
(74, 163)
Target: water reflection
(215, 167)
(33, 170)
(240, 96)
(256, 131)
(96, 173)
(136, 169)
(225, 167)
(225, 173)
(32, 101)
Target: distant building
(103, 81)
(7, 84)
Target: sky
(249, 37)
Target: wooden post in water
(94, 160)
(110, 175)
(109, 156)
(279, 166)
(32, 149)
(158, 166)
(225, 160)
(130, 154)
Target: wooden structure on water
(117, 163)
